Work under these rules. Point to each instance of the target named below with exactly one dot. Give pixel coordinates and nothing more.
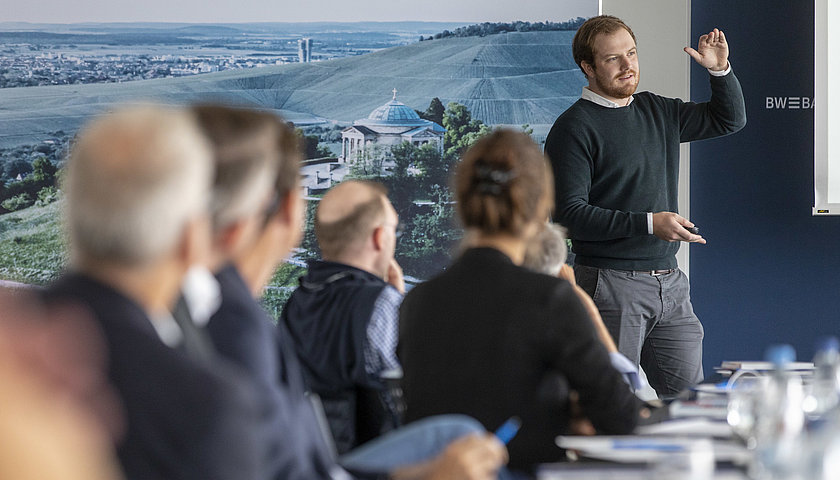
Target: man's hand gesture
(712, 51)
(395, 276)
(671, 227)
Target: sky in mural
(202, 11)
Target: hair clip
(491, 180)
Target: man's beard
(615, 91)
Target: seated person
(136, 189)
(257, 214)
(491, 339)
(343, 318)
(547, 254)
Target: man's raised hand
(712, 51)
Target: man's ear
(231, 235)
(376, 237)
(288, 221)
(287, 211)
(588, 69)
(194, 246)
(290, 215)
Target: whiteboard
(826, 108)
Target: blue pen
(508, 430)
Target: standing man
(615, 157)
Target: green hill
(31, 244)
(512, 78)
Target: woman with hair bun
(492, 339)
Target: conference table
(694, 442)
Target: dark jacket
(185, 419)
(292, 446)
(327, 317)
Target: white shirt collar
(167, 329)
(593, 97)
(202, 294)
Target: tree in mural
(368, 162)
(461, 129)
(431, 236)
(434, 112)
(39, 184)
(310, 147)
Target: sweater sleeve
(571, 152)
(724, 113)
(604, 396)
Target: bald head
(347, 215)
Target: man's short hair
(583, 45)
(135, 178)
(338, 236)
(249, 150)
(547, 251)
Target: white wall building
(388, 126)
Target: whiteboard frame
(821, 138)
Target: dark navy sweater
(613, 165)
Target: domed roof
(393, 113)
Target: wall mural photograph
(393, 93)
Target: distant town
(27, 70)
(47, 56)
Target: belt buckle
(659, 273)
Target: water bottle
(824, 395)
(823, 448)
(780, 421)
(822, 407)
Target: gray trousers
(652, 322)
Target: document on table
(648, 449)
(688, 427)
(624, 449)
(601, 471)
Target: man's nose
(626, 63)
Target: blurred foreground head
(256, 159)
(256, 208)
(58, 415)
(135, 180)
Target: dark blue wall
(770, 272)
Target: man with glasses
(344, 315)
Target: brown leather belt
(656, 273)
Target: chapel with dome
(387, 126)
